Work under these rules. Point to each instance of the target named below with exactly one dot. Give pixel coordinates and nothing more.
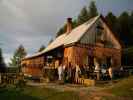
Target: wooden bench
(86, 82)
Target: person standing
(64, 73)
(70, 73)
(97, 69)
(60, 72)
(77, 72)
(110, 70)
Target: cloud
(34, 22)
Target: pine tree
(74, 23)
(2, 63)
(19, 54)
(123, 21)
(92, 10)
(112, 21)
(83, 16)
(131, 26)
(61, 30)
(41, 48)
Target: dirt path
(65, 87)
(85, 93)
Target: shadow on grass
(13, 94)
(35, 93)
(63, 96)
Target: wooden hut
(80, 46)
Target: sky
(35, 22)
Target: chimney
(69, 25)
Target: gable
(89, 37)
(110, 37)
(100, 33)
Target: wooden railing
(87, 82)
(10, 78)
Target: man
(70, 73)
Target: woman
(110, 70)
(60, 71)
(97, 69)
(77, 72)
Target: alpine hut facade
(78, 46)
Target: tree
(131, 26)
(74, 23)
(127, 56)
(83, 16)
(2, 63)
(19, 54)
(131, 20)
(111, 19)
(113, 22)
(41, 48)
(61, 30)
(92, 10)
(123, 21)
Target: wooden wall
(33, 66)
(76, 55)
(79, 55)
(115, 55)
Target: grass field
(122, 90)
(36, 93)
(123, 87)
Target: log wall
(76, 55)
(79, 55)
(115, 55)
(33, 67)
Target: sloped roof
(69, 38)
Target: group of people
(68, 73)
(72, 73)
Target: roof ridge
(64, 38)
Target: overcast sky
(34, 22)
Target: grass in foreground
(123, 90)
(36, 93)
